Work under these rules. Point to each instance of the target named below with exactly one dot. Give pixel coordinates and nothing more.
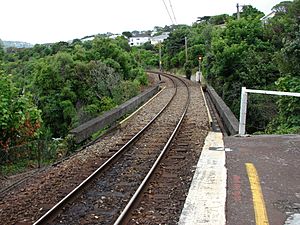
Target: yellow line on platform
(261, 216)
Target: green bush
(20, 119)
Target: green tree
(146, 58)
(284, 32)
(127, 34)
(20, 119)
(288, 119)
(240, 56)
(173, 46)
(219, 19)
(55, 93)
(104, 48)
(1, 49)
(188, 69)
(282, 8)
(103, 79)
(251, 12)
(74, 82)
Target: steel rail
(51, 212)
(131, 202)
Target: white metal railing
(244, 99)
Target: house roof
(270, 15)
(162, 36)
(141, 35)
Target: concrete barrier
(230, 121)
(85, 130)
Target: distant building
(267, 17)
(160, 38)
(114, 36)
(139, 40)
(88, 38)
(16, 44)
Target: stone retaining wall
(230, 121)
(85, 130)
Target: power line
(172, 11)
(168, 12)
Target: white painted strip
(207, 109)
(293, 219)
(205, 203)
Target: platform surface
(273, 164)
(263, 182)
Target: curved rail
(52, 212)
(156, 163)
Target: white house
(139, 40)
(160, 38)
(267, 17)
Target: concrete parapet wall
(85, 130)
(230, 121)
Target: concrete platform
(205, 203)
(263, 182)
(275, 164)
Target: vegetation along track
(31, 206)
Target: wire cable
(172, 11)
(168, 12)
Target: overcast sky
(42, 21)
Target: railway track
(103, 200)
(162, 199)
(104, 194)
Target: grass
(18, 167)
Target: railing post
(243, 112)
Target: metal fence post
(243, 112)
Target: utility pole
(200, 73)
(160, 62)
(186, 50)
(238, 11)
